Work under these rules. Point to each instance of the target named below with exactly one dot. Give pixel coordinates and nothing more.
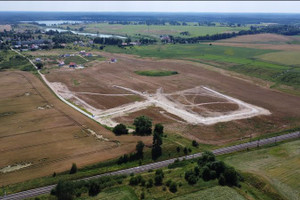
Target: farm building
(73, 65)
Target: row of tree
(278, 29)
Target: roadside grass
(278, 164)
(156, 73)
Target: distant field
(216, 193)
(238, 59)
(154, 30)
(156, 73)
(284, 57)
(278, 164)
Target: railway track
(157, 165)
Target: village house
(72, 65)
(62, 63)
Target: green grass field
(215, 193)
(156, 73)
(279, 165)
(284, 58)
(153, 30)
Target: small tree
(231, 176)
(195, 143)
(73, 169)
(143, 125)
(64, 190)
(120, 129)
(173, 187)
(178, 149)
(185, 150)
(139, 149)
(54, 174)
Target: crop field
(284, 58)
(102, 86)
(279, 165)
(153, 30)
(40, 135)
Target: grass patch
(156, 73)
(278, 164)
(216, 193)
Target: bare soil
(39, 129)
(285, 108)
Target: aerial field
(40, 135)
(153, 30)
(279, 165)
(183, 91)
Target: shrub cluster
(209, 169)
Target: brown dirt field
(221, 107)
(51, 139)
(285, 108)
(261, 38)
(6, 27)
(107, 102)
(157, 114)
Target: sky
(155, 6)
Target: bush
(158, 179)
(149, 183)
(231, 176)
(39, 65)
(143, 195)
(195, 143)
(191, 177)
(173, 187)
(168, 183)
(178, 149)
(134, 181)
(205, 173)
(73, 169)
(64, 190)
(94, 189)
(120, 129)
(185, 151)
(222, 180)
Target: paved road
(156, 165)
